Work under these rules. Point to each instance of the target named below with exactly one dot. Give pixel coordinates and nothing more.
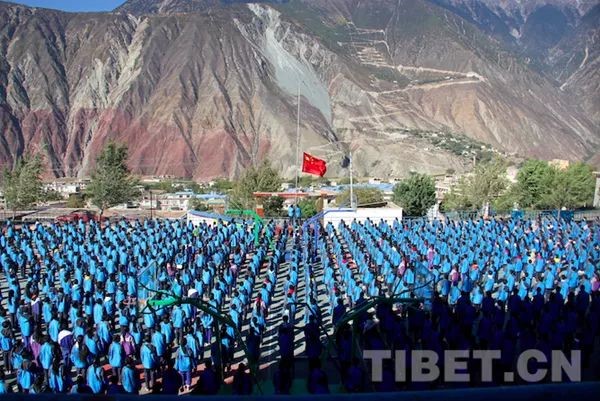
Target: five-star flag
(313, 165)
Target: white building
(335, 216)
(176, 201)
(441, 190)
(150, 180)
(149, 204)
(443, 186)
(182, 201)
(66, 186)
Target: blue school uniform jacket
(46, 356)
(148, 356)
(116, 355)
(184, 360)
(25, 379)
(129, 380)
(56, 381)
(79, 361)
(158, 340)
(95, 378)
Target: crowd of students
(75, 314)
(507, 285)
(73, 294)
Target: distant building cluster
(182, 196)
(66, 187)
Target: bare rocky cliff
(206, 88)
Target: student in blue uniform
(184, 362)
(26, 376)
(95, 377)
(57, 377)
(6, 344)
(129, 377)
(116, 356)
(80, 356)
(149, 361)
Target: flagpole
(351, 183)
(297, 144)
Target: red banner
(313, 165)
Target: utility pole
(297, 145)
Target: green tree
(194, 187)
(534, 183)
(416, 194)
(163, 185)
(51, 195)
(506, 201)
(307, 181)
(111, 182)
(571, 188)
(308, 208)
(222, 185)
(198, 204)
(364, 197)
(75, 202)
(273, 206)
(487, 182)
(166, 185)
(22, 186)
(263, 178)
(455, 199)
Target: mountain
(529, 22)
(575, 62)
(205, 88)
(553, 36)
(141, 7)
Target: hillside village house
(559, 164)
(66, 186)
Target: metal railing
(576, 215)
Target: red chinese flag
(313, 165)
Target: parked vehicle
(83, 215)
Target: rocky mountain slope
(558, 38)
(575, 63)
(205, 88)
